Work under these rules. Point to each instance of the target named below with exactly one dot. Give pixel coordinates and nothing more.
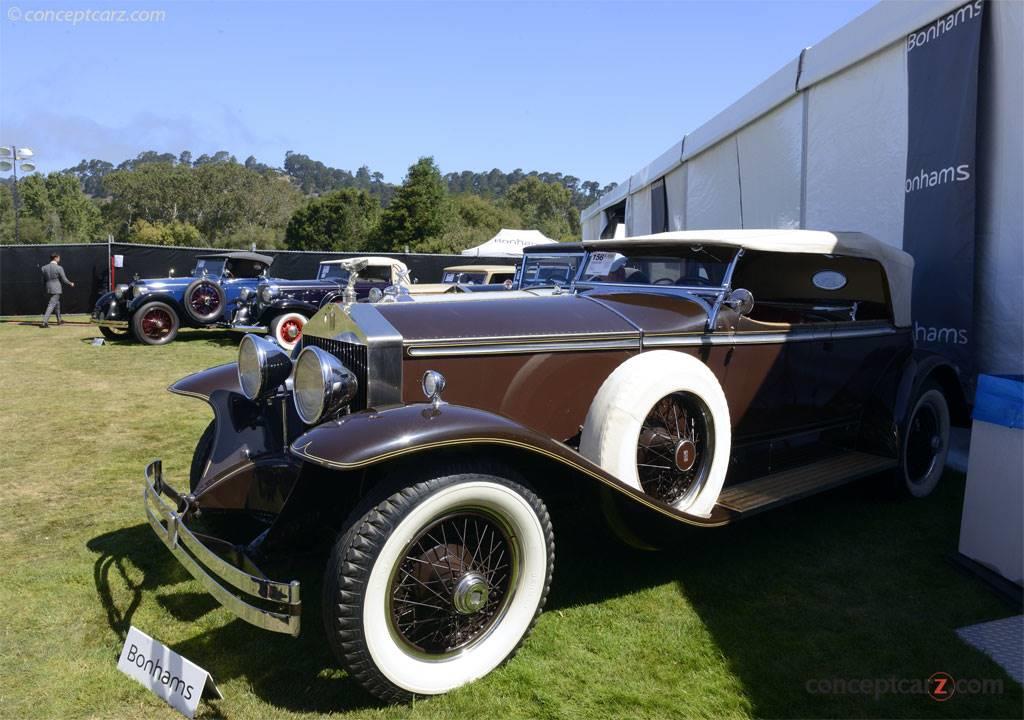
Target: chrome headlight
(262, 366)
(244, 294)
(267, 293)
(120, 290)
(321, 385)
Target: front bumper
(229, 585)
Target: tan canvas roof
(898, 265)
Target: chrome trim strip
(762, 338)
(632, 343)
(250, 328)
(190, 552)
(120, 324)
(619, 341)
(472, 340)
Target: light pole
(10, 156)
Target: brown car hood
(589, 314)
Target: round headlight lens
(267, 293)
(321, 385)
(244, 294)
(262, 366)
(119, 291)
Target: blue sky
(594, 90)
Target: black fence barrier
(21, 284)
(21, 280)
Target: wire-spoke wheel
(155, 323)
(453, 583)
(438, 583)
(204, 300)
(660, 424)
(673, 449)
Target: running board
(782, 487)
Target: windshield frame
(581, 256)
(220, 263)
(716, 289)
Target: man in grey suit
(53, 276)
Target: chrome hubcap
(470, 593)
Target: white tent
(509, 242)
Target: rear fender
(922, 366)
(368, 439)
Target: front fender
(371, 438)
(249, 467)
(203, 384)
(287, 305)
(104, 302)
(160, 296)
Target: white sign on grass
(178, 681)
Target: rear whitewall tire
(359, 584)
(918, 476)
(612, 427)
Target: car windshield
(694, 266)
(208, 266)
(553, 269)
(333, 272)
(464, 278)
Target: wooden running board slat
(789, 485)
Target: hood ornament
(354, 267)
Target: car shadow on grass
(850, 586)
(299, 674)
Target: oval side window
(829, 280)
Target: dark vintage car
(694, 378)
(153, 310)
(280, 308)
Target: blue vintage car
(153, 310)
(281, 308)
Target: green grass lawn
(731, 622)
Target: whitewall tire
(286, 329)
(660, 423)
(438, 584)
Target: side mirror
(741, 301)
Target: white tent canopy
(509, 242)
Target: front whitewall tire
(280, 329)
(611, 430)
(360, 587)
(433, 677)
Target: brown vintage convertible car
(699, 376)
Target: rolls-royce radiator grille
(352, 356)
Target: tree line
(217, 201)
